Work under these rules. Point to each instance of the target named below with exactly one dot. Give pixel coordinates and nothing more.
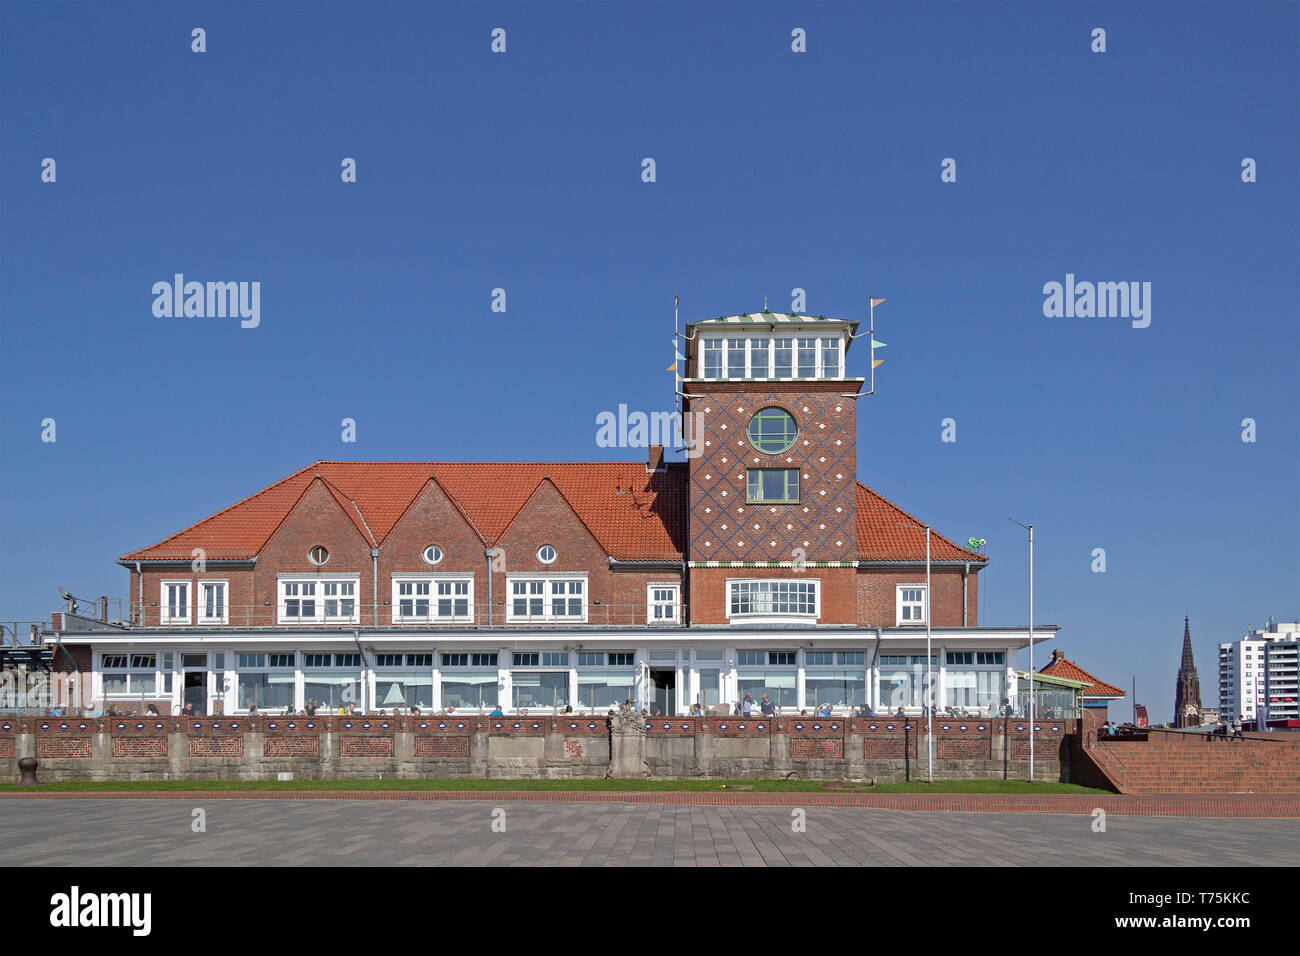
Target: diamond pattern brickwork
(823, 525)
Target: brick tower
(1187, 696)
(773, 492)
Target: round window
(318, 555)
(772, 431)
(432, 554)
(547, 554)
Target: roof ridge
(231, 507)
(921, 525)
(338, 493)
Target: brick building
(760, 565)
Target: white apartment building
(1258, 674)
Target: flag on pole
(877, 362)
(671, 368)
(875, 302)
(877, 344)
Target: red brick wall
(225, 745)
(291, 745)
(548, 519)
(153, 745)
(242, 605)
(58, 748)
(430, 746)
(877, 590)
(317, 519)
(431, 519)
(709, 591)
(362, 745)
(824, 452)
(817, 748)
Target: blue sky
(775, 170)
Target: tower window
(772, 431)
(772, 485)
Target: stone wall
(264, 748)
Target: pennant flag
(671, 368)
(674, 345)
(680, 356)
(678, 377)
(877, 301)
(877, 362)
(875, 344)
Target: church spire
(1187, 695)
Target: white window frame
(433, 580)
(131, 693)
(748, 371)
(775, 617)
(898, 605)
(165, 617)
(547, 596)
(320, 580)
(651, 603)
(201, 604)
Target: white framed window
(312, 600)
(432, 555)
(663, 603)
(213, 608)
(544, 597)
(547, 554)
(174, 603)
(319, 555)
(128, 675)
(268, 681)
(762, 356)
(420, 599)
(911, 604)
(776, 600)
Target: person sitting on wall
(568, 710)
(58, 712)
(188, 709)
(497, 711)
(414, 711)
(697, 710)
(252, 710)
(901, 712)
(151, 710)
(311, 707)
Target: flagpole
(871, 340)
(675, 374)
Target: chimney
(1058, 654)
(656, 459)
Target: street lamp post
(1030, 529)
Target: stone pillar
(627, 743)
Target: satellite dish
(63, 593)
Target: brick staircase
(1171, 762)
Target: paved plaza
(252, 832)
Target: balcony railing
(331, 612)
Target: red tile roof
(634, 515)
(1060, 667)
(888, 533)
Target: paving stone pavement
(356, 833)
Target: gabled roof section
(1060, 667)
(632, 514)
(888, 533)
